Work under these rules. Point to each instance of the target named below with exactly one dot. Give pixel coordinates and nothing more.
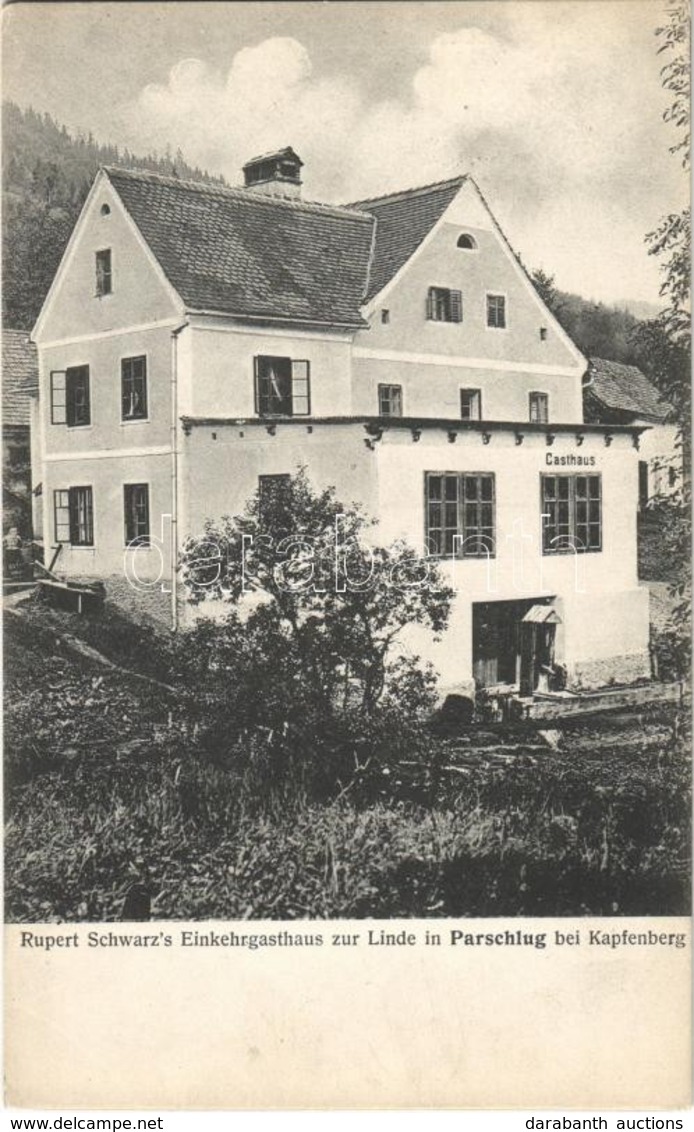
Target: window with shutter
(444, 305)
(74, 516)
(282, 387)
(70, 397)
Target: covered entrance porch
(513, 643)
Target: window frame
(146, 537)
(389, 385)
(572, 501)
(72, 522)
(123, 362)
(471, 389)
(102, 275)
(462, 532)
(453, 299)
(541, 394)
(504, 298)
(473, 246)
(294, 379)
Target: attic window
(105, 210)
(444, 305)
(467, 242)
(103, 272)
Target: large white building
(197, 338)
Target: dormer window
(467, 242)
(104, 278)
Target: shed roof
(542, 615)
(626, 389)
(403, 219)
(20, 377)
(237, 251)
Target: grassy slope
(103, 789)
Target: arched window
(467, 242)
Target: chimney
(275, 174)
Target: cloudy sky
(555, 108)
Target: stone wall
(588, 674)
(150, 605)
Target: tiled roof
(238, 251)
(20, 376)
(402, 221)
(626, 389)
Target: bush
(303, 686)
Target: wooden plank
(55, 557)
(597, 703)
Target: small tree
(310, 648)
(664, 345)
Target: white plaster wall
(219, 466)
(433, 390)
(36, 466)
(220, 379)
(139, 295)
(604, 612)
(106, 477)
(660, 448)
(491, 267)
(103, 356)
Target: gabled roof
(625, 389)
(237, 251)
(20, 377)
(402, 221)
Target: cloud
(538, 109)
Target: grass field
(106, 786)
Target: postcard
(346, 542)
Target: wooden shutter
(256, 384)
(431, 303)
(456, 306)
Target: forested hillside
(598, 330)
(46, 175)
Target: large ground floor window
(460, 514)
(571, 514)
